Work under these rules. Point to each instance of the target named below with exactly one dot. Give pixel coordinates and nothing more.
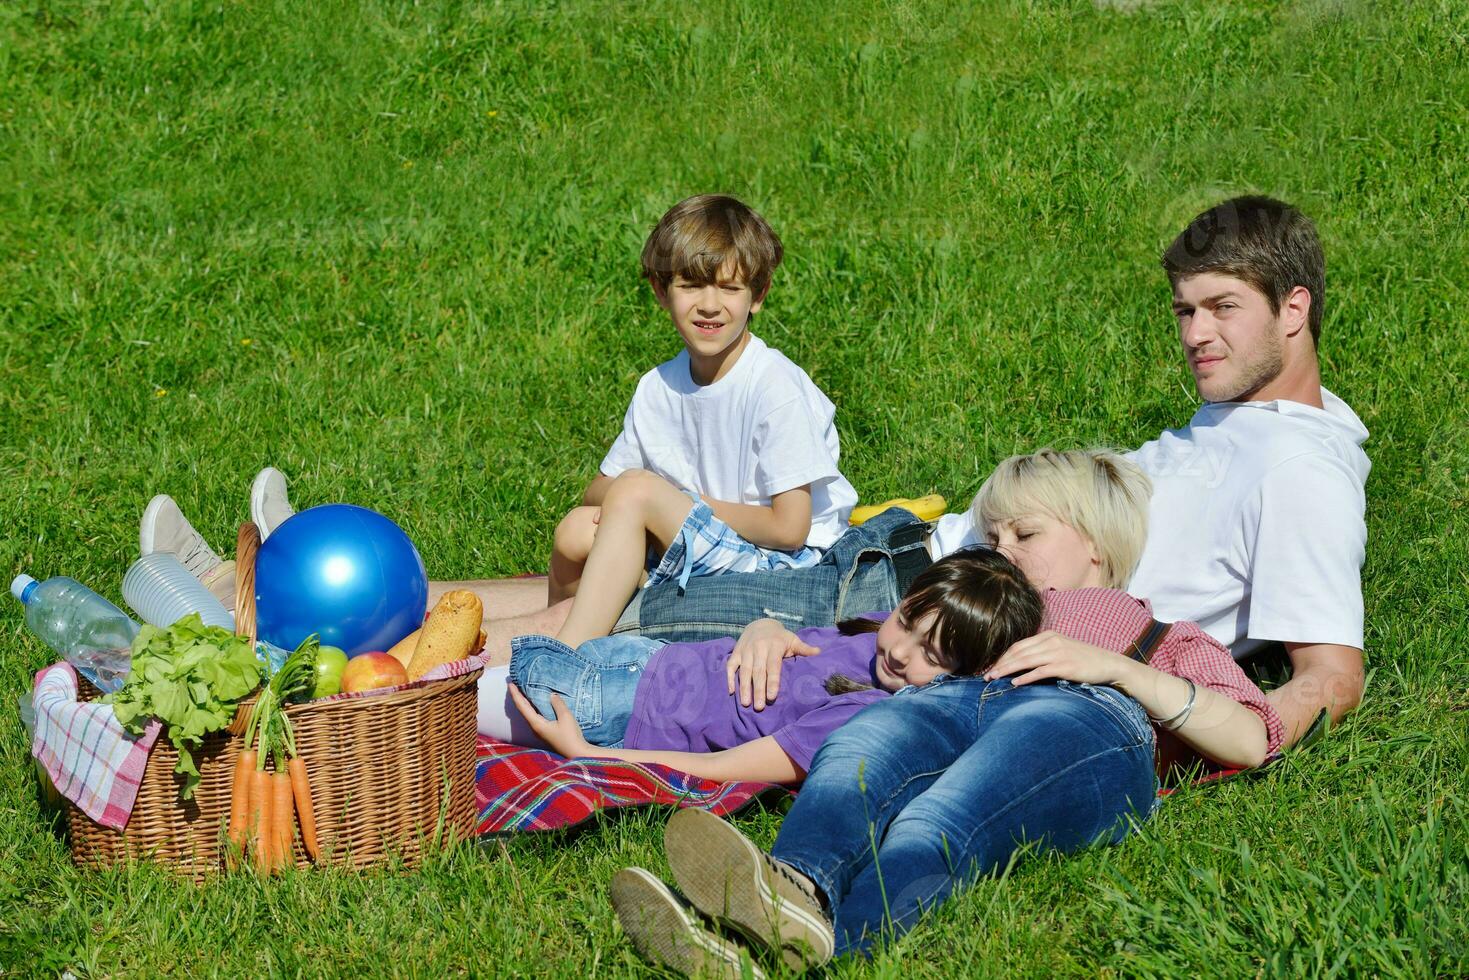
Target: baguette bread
(450, 633)
(403, 650)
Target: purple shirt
(683, 701)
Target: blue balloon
(346, 573)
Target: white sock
(498, 717)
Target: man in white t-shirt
(1256, 528)
(1257, 519)
(727, 460)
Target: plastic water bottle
(92, 634)
(162, 591)
(271, 656)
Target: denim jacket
(865, 570)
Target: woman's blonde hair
(1102, 495)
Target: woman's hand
(1050, 655)
(564, 734)
(754, 666)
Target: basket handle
(247, 546)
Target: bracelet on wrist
(1172, 724)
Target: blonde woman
(1055, 744)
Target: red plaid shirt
(1113, 620)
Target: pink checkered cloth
(90, 757)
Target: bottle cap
(22, 587)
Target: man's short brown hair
(700, 236)
(1262, 241)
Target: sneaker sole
(723, 874)
(665, 933)
(257, 501)
(147, 526)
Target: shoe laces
(196, 555)
(803, 884)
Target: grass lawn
(392, 249)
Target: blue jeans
(597, 680)
(867, 569)
(922, 792)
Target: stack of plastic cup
(162, 591)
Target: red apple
(370, 671)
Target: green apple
(330, 662)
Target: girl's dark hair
(981, 604)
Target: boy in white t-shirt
(727, 460)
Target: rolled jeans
(922, 792)
(598, 680)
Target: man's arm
(784, 525)
(1323, 675)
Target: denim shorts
(598, 680)
(705, 545)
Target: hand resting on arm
(1218, 727)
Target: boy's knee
(573, 537)
(635, 488)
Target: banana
(924, 508)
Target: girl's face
(906, 654)
(1052, 555)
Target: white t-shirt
(1256, 530)
(953, 532)
(762, 429)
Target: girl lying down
(643, 700)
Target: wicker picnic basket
(390, 774)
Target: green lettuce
(190, 677)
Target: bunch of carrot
(263, 803)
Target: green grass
(392, 249)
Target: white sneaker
(269, 504)
(739, 886)
(165, 528)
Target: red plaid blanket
(520, 789)
(531, 789)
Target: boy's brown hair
(1262, 241)
(700, 235)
